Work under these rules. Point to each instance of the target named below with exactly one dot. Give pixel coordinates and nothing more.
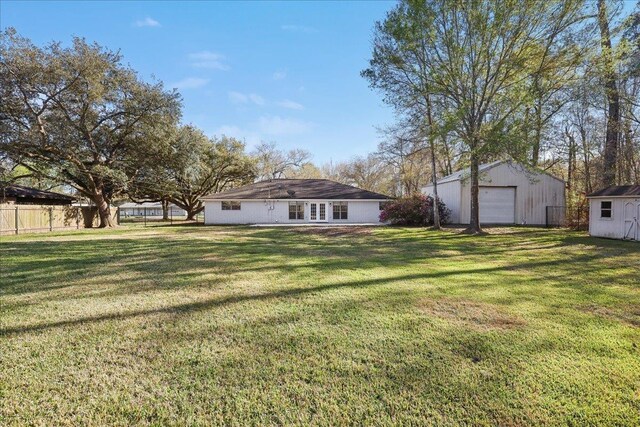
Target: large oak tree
(193, 166)
(78, 115)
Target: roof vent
(291, 193)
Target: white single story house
(148, 209)
(614, 212)
(510, 193)
(294, 201)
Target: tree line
(552, 84)
(77, 116)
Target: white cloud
(275, 125)
(238, 98)
(241, 98)
(190, 83)
(207, 59)
(256, 99)
(292, 105)
(279, 75)
(147, 22)
(298, 28)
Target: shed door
(631, 221)
(497, 205)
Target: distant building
(614, 212)
(148, 209)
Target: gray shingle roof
(19, 191)
(297, 189)
(617, 191)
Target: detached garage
(510, 193)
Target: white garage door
(497, 205)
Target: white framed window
(340, 210)
(606, 209)
(230, 206)
(296, 210)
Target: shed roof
(617, 191)
(297, 189)
(22, 192)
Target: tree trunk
(434, 175)
(586, 160)
(193, 210)
(474, 220)
(165, 209)
(434, 178)
(613, 98)
(104, 210)
(537, 136)
(88, 215)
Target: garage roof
(617, 191)
(297, 189)
(465, 173)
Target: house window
(340, 210)
(605, 209)
(296, 210)
(230, 206)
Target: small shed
(614, 212)
(510, 193)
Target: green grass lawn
(272, 326)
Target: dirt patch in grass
(471, 314)
(333, 231)
(628, 313)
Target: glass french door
(318, 211)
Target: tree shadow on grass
(300, 291)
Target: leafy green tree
(194, 166)
(472, 57)
(79, 116)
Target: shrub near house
(416, 210)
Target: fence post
(17, 217)
(78, 212)
(50, 218)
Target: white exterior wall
(618, 225)
(449, 193)
(277, 212)
(534, 192)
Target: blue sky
(273, 71)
